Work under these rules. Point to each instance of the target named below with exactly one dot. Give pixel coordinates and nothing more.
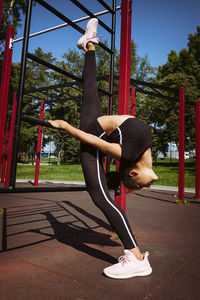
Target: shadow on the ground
(27, 221)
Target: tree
(12, 12)
(181, 70)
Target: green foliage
(11, 16)
(181, 70)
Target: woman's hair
(114, 178)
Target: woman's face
(145, 178)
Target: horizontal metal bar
(67, 20)
(53, 67)
(50, 87)
(60, 15)
(43, 189)
(139, 90)
(106, 6)
(61, 71)
(154, 85)
(64, 25)
(53, 87)
(37, 122)
(83, 8)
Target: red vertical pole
(181, 143)
(5, 80)
(197, 145)
(133, 101)
(124, 75)
(1, 10)
(11, 139)
(39, 144)
(5, 153)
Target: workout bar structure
(26, 55)
(64, 25)
(124, 86)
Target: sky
(158, 26)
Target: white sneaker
(90, 34)
(129, 266)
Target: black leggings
(92, 159)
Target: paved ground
(55, 246)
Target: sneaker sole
(145, 273)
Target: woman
(122, 137)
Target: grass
(166, 171)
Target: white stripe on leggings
(99, 179)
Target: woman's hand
(57, 123)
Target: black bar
(154, 85)
(61, 71)
(53, 67)
(20, 92)
(37, 122)
(140, 90)
(57, 86)
(106, 6)
(67, 20)
(50, 87)
(83, 8)
(112, 71)
(43, 189)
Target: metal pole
(5, 80)
(21, 92)
(197, 145)
(64, 25)
(181, 143)
(133, 101)
(111, 75)
(5, 153)
(124, 76)
(1, 10)
(39, 144)
(11, 140)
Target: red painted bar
(5, 149)
(133, 101)
(181, 143)
(124, 76)
(11, 139)
(197, 145)
(1, 10)
(39, 145)
(4, 88)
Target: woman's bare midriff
(110, 123)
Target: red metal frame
(124, 75)
(11, 140)
(181, 143)
(197, 145)
(1, 10)
(5, 80)
(39, 145)
(5, 148)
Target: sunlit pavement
(56, 244)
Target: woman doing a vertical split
(122, 137)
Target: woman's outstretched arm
(111, 149)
